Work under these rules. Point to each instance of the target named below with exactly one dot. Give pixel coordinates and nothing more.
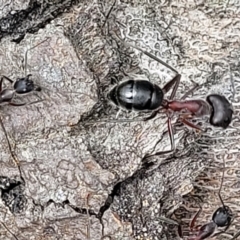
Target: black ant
(142, 95)
(21, 86)
(222, 217)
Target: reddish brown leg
(173, 83)
(192, 223)
(186, 122)
(173, 147)
(180, 233)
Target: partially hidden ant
(21, 86)
(142, 95)
(222, 217)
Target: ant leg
(180, 232)
(16, 104)
(220, 189)
(1, 82)
(6, 78)
(30, 103)
(170, 130)
(173, 147)
(22, 104)
(153, 115)
(192, 223)
(8, 142)
(174, 82)
(191, 125)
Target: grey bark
(73, 173)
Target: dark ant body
(137, 95)
(143, 95)
(19, 87)
(222, 217)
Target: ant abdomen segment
(137, 95)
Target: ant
(21, 86)
(222, 217)
(142, 95)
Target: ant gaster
(21, 86)
(142, 95)
(222, 217)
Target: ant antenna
(25, 56)
(219, 192)
(106, 120)
(232, 84)
(108, 14)
(151, 56)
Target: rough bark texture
(69, 172)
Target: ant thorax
(198, 108)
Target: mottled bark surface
(73, 174)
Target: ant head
(222, 216)
(221, 115)
(23, 85)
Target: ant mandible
(21, 86)
(222, 217)
(142, 95)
